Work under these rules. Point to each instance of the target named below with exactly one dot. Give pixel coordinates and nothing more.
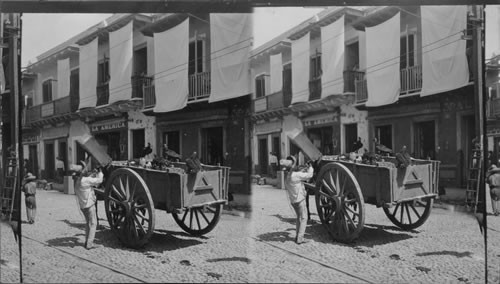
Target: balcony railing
(277, 100)
(50, 109)
(411, 79)
(350, 78)
(493, 108)
(149, 92)
(199, 86)
(138, 86)
(102, 94)
(315, 89)
(361, 90)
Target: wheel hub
(128, 208)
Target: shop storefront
(324, 131)
(267, 138)
(54, 144)
(31, 142)
(113, 135)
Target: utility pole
(480, 103)
(13, 30)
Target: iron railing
(102, 94)
(50, 109)
(199, 86)
(149, 92)
(411, 79)
(315, 89)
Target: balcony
(53, 111)
(274, 101)
(411, 80)
(199, 86)
(315, 89)
(149, 92)
(493, 108)
(350, 78)
(102, 94)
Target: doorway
(33, 160)
(212, 146)
(351, 136)
(49, 160)
(173, 141)
(322, 138)
(276, 146)
(111, 142)
(383, 133)
(425, 140)
(263, 155)
(138, 138)
(468, 134)
(63, 153)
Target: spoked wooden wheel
(129, 208)
(410, 214)
(339, 202)
(198, 221)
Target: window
(383, 134)
(173, 141)
(407, 51)
(316, 66)
(47, 90)
(195, 57)
(260, 86)
(103, 72)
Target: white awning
(276, 73)
(120, 63)
(444, 62)
(230, 42)
(171, 55)
(300, 69)
(332, 58)
(382, 60)
(88, 74)
(63, 74)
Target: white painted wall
(349, 114)
(137, 120)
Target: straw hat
(29, 177)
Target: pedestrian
(294, 185)
(273, 163)
(59, 170)
(493, 179)
(29, 188)
(85, 180)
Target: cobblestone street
(447, 248)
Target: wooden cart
(132, 193)
(342, 187)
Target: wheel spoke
(118, 192)
(408, 213)
(402, 213)
(114, 200)
(139, 225)
(332, 183)
(415, 210)
(122, 188)
(208, 208)
(127, 189)
(197, 219)
(184, 216)
(337, 184)
(324, 195)
(204, 217)
(327, 186)
(395, 210)
(352, 211)
(190, 219)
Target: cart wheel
(129, 208)
(410, 214)
(198, 221)
(339, 202)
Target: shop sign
(31, 138)
(108, 126)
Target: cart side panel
(375, 182)
(413, 182)
(203, 187)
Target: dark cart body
(342, 187)
(132, 193)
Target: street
(448, 248)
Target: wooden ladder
(473, 181)
(8, 192)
